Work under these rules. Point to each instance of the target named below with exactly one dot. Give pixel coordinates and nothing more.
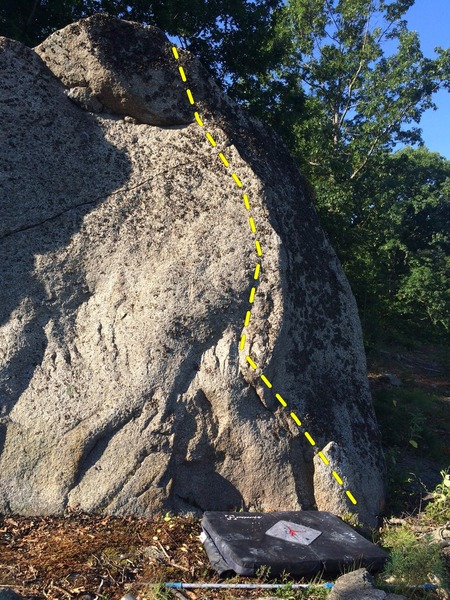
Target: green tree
(398, 256)
(364, 85)
(359, 101)
(415, 212)
(31, 21)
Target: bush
(412, 561)
(439, 509)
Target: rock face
(127, 262)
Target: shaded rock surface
(7, 593)
(127, 262)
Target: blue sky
(431, 19)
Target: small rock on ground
(359, 585)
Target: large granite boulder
(127, 263)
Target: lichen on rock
(126, 264)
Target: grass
(415, 426)
(412, 559)
(415, 556)
(157, 591)
(439, 510)
(313, 592)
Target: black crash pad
(302, 543)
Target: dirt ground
(427, 368)
(87, 556)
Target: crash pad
(302, 543)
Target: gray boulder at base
(359, 585)
(126, 263)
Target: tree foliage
(398, 252)
(365, 84)
(232, 36)
(360, 100)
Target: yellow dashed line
(223, 159)
(211, 140)
(336, 476)
(266, 381)
(190, 96)
(350, 495)
(251, 363)
(237, 180)
(296, 419)
(197, 118)
(255, 276)
(309, 438)
(242, 344)
(324, 458)
(281, 400)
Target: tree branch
(311, 84)
(30, 19)
(335, 24)
(349, 93)
(356, 75)
(384, 131)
